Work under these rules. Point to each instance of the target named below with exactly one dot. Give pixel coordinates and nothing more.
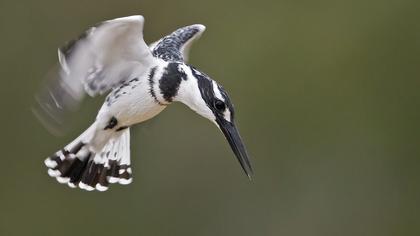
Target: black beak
(232, 135)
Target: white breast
(131, 103)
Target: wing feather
(175, 46)
(100, 59)
(105, 54)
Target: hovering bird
(141, 80)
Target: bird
(140, 81)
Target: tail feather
(78, 165)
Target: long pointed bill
(232, 135)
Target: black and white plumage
(142, 80)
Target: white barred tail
(78, 165)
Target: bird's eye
(219, 105)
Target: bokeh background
(327, 97)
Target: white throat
(189, 94)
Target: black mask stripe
(207, 93)
(227, 101)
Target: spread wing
(99, 60)
(176, 46)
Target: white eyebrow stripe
(217, 92)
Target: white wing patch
(100, 59)
(105, 55)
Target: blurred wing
(176, 46)
(100, 59)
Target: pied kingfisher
(142, 80)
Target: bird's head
(210, 100)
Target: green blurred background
(327, 99)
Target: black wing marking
(175, 46)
